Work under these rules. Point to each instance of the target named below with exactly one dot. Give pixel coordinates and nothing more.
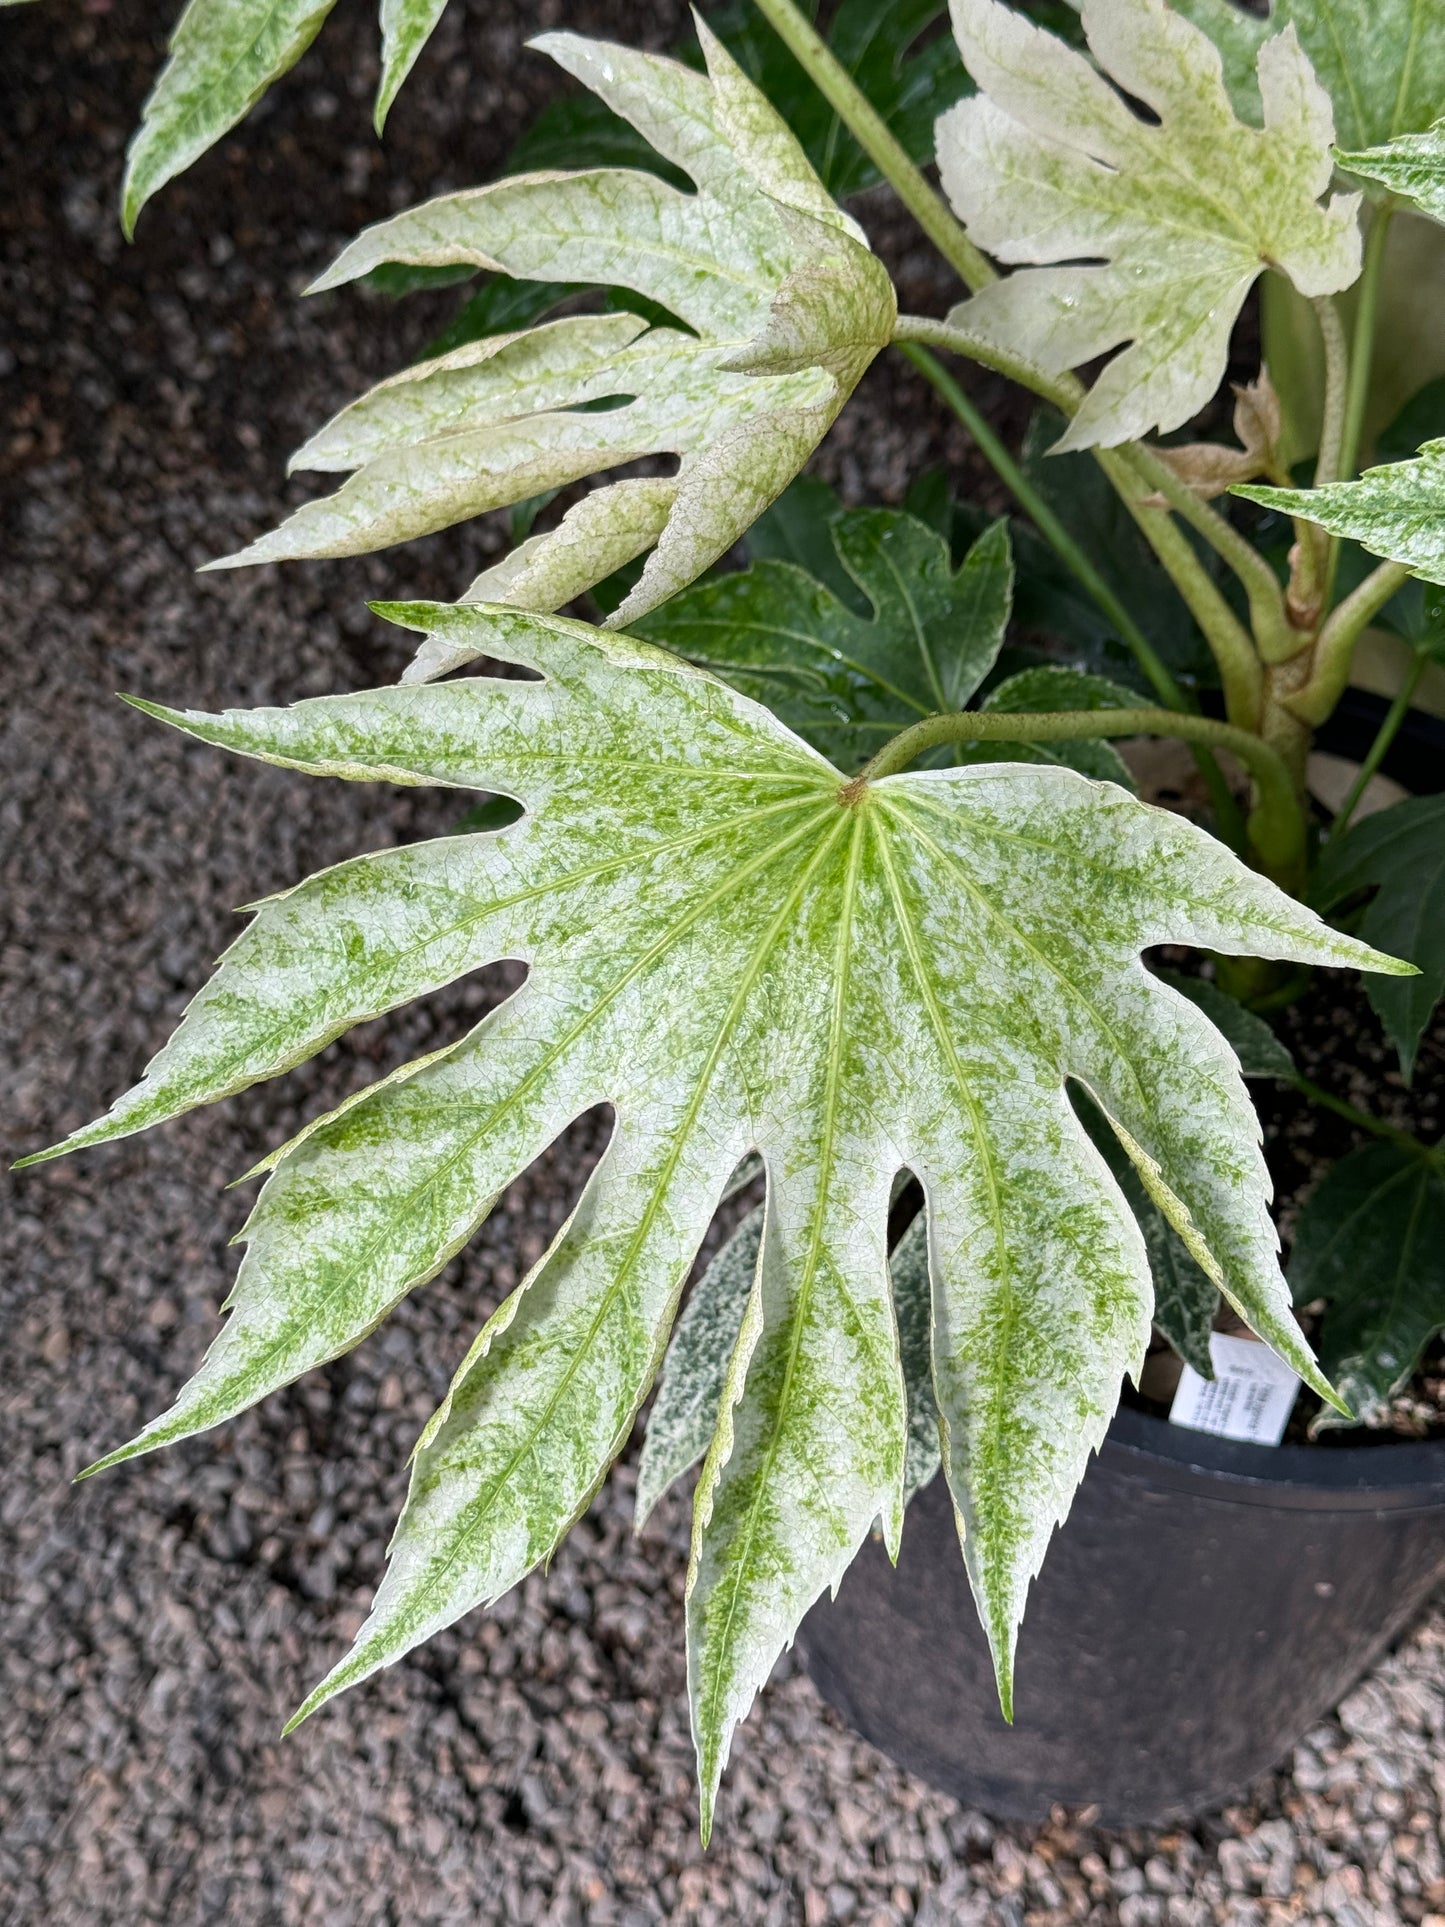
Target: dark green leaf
(913, 1307)
(1371, 1243)
(1399, 853)
(495, 814)
(581, 132)
(1050, 686)
(847, 682)
(1185, 1297)
(393, 279)
(499, 306)
(798, 528)
(1259, 1051)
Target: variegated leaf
(224, 55)
(1413, 166)
(1382, 62)
(783, 308)
(1396, 511)
(1159, 229)
(406, 26)
(738, 951)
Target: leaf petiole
(1276, 825)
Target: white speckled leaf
(224, 55)
(1158, 231)
(1382, 62)
(737, 953)
(1412, 167)
(1396, 511)
(784, 302)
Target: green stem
(1384, 736)
(1227, 817)
(1362, 348)
(1277, 638)
(1337, 382)
(1362, 358)
(1336, 646)
(879, 143)
(1361, 1119)
(1063, 391)
(1240, 669)
(1277, 824)
(1049, 526)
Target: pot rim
(1403, 1476)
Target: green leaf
(1051, 687)
(785, 304)
(1412, 166)
(690, 1385)
(584, 132)
(737, 952)
(1381, 61)
(1400, 854)
(1154, 232)
(848, 682)
(1371, 1242)
(798, 528)
(1186, 1298)
(1396, 511)
(501, 306)
(224, 55)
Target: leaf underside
(777, 307)
(1131, 231)
(737, 956)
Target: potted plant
(821, 889)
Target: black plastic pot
(1204, 1604)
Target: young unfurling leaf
(738, 951)
(781, 305)
(1164, 227)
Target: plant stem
(1048, 524)
(1063, 391)
(1277, 824)
(1337, 381)
(1362, 349)
(1276, 636)
(1384, 736)
(1361, 1119)
(1361, 359)
(1336, 645)
(1240, 669)
(876, 138)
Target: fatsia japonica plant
(821, 879)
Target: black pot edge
(1408, 1476)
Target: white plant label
(1250, 1397)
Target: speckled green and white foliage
(1396, 511)
(738, 952)
(783, 307)
(1163, 228)
(1412, 166)
(1382, 62)
(224, 54)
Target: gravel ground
(534, 1763)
